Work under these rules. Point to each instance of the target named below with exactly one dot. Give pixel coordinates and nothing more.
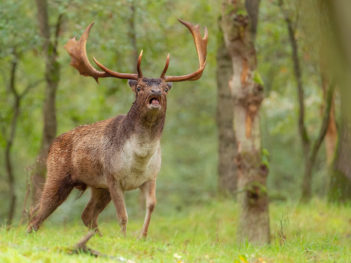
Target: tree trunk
(311, 159)
(306, 190)
(298, 77)
(226, 140)
(10, 140)
(310, 154)
(238, 26)
(52, 78)
(340, 181)
(331, 137)
(132, 35)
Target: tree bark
(331, 137)
(52, 78)
(226, 139)
(340, 181)
(247, 95)
(10, 140)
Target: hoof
(30, 229)
(142, 236)
(97, 231)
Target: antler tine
(79, 59)
(165, 68)
(201, 49)
(140, 74)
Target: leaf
(257, 78)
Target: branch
(10, 138)
(298, 76)
(252, 7)
(324, 126)
(29, 87)
(43, 21)
(12, 82)
(57, 31)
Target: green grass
(317, 232)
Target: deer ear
(169, 85)
(132, 83)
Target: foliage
(189, 173)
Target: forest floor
(317, 232)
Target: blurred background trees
(198, 157)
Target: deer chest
(138, 161)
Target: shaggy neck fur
(148, 124)
(145, 124)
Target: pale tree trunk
(52, 78)
(239, 27)
(226, 139)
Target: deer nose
(156, 91)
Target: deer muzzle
(155, 100)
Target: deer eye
(166, 89)
(138, 89)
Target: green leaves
(257, 78)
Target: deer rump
(118, 154)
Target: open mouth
(154, 102)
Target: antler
(201, 49)
(79, 60)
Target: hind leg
(54, 193)
(98, 201)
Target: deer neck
(147, 126)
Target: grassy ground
(313, 233)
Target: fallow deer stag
(115, 155)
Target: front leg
(117, 197)
(149, 191)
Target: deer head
(150, 92)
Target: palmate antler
(80, 61)
(201, 49)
